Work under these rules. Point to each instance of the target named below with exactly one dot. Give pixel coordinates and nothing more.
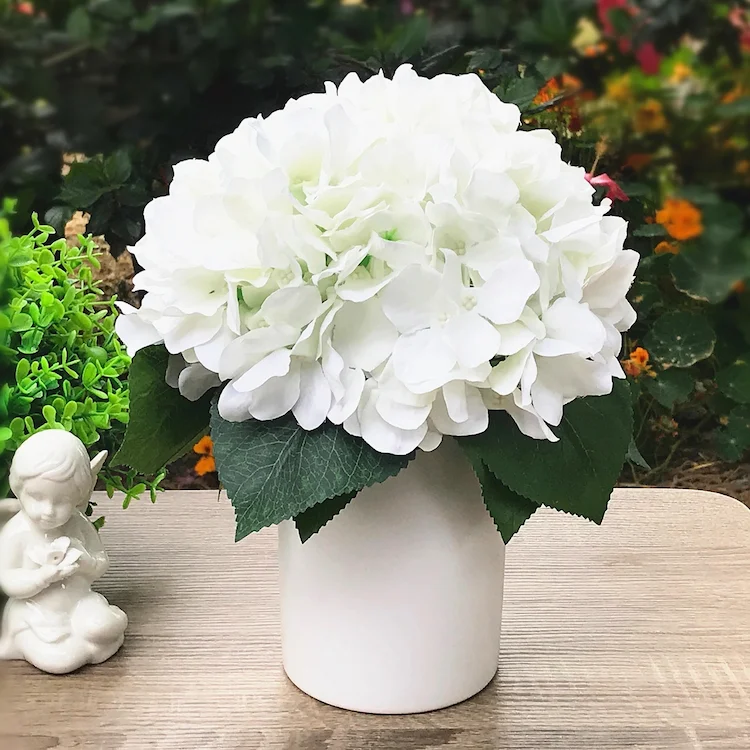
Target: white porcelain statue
(50, 555)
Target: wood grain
(633, 635)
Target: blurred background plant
(61, 365)
(99, 97)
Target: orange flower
(667, 247)
(649, 117)
(637, 162)
(637, 363)
(548, 92)
(739, 287)
(733, 94)
(680, 218)
(742, 166)
(206, 464)
(594, 50)
(565, 84)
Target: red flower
(614, 191)
(26, 9)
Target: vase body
(395, 605)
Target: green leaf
(508, 509)
(519, 91)
(650, 230)
(699, 194)
(275, 470)
(411, 37)
(738, 108)
(21, 322)
(30, 341)
(680, 339)
(707, 268)
(163, 424)
(585, 463)
(78, 24)
(671, 387)
(739, 423)
(734, 381)
(644, 296)
(723, 223)
(117, 167)
(83, 186)
(635, 456)
(312, 520)
(734, 439)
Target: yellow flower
(649, 118)
(680, 73)
(680, 218)
(742, 166)
(587, 36)
(619, 89)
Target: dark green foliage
(276, 470)
(312, 520)
(150, 83)
(163, 425)
(585, 463)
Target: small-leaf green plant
(61, 364)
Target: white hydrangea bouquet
(371, 271)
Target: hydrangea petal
(314, 401)
(503, 297)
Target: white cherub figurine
(50, 554)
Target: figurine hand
(50, 574)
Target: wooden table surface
(633, 635)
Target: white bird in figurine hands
(50, 554)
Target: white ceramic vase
(394, 607)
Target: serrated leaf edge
(346, 505)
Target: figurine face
(49, 504)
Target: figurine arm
(16, 581)
(94, 562)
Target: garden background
(99, 97)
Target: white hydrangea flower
(394, 256)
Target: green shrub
(61, 365)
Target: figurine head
(52, 477)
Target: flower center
(470, 302)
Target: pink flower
(614, 191)
(407, 7)
(648, 58)
(740, 19)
